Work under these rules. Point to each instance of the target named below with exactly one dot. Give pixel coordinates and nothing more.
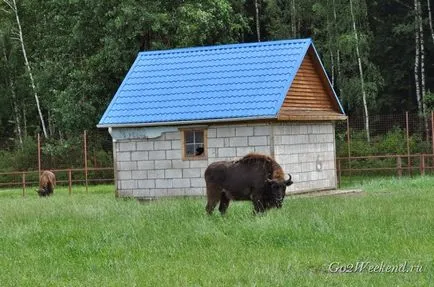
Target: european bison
(47, 183)
(254, 177)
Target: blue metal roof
(225, 82)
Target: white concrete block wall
(154, 167)
(307, 151)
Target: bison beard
(254, 177)
(47, 183)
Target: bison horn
(289, 181)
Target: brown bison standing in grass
(47, 183)
(254, 177)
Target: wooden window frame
(204, 155)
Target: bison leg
(258, 204)
(224, 203)
(213, 194)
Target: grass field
(96, 240)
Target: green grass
(94, 239)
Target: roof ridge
(224, 46)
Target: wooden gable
(310, 96)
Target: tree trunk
(362, 81)
(430, 19)
(258, 31)
(417, 58)
(330, 35)
(14, 102)
(293, 20)
(422, 69)
(338, 52)
(13, 6)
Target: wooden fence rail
(27, 179)
(412, 164)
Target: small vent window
(194, 144)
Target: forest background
(62, 61)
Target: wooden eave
(310, 96)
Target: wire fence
(398, 144)
(85, 160)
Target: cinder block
(180, 163)
(197, 182)
(173, 173)
(212, 133)
(173, 154)
(176, 145)
(139, 155)
(127, 165)
(145, 165)
(262, 131)
(163, 145)
(156, 174)
(157, 155)
(124, 175)
(262, 149)
(163, 164)
(198, 163)
(257, 140)
(212, 152)
(191, 172)
(181, 182)
(227, 152)
(139, 174)
(224, 132)
(238, 142)
(146, 183)
(196, 191)
(242, 151)
(163, 183)
(243, 131)
(216, 142)
(123, 156)
(127, 146)
(145, 145)
(128, 184)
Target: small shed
(179, 110)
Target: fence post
(432, 138)
(422, 164)
(69, 181)
(349, 144)
(39, 158)
(408, 143)
(24, 184)
(399, 166)
(85, 158)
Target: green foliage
(428, 100)
(173, 242)
(80, 50)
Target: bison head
(277, 191)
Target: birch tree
(13, 6)
(417, 57)
(362, 81)
(258, 30)
(430, 19)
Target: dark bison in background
(254, 177)
(47, 183)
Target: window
(193, 143)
